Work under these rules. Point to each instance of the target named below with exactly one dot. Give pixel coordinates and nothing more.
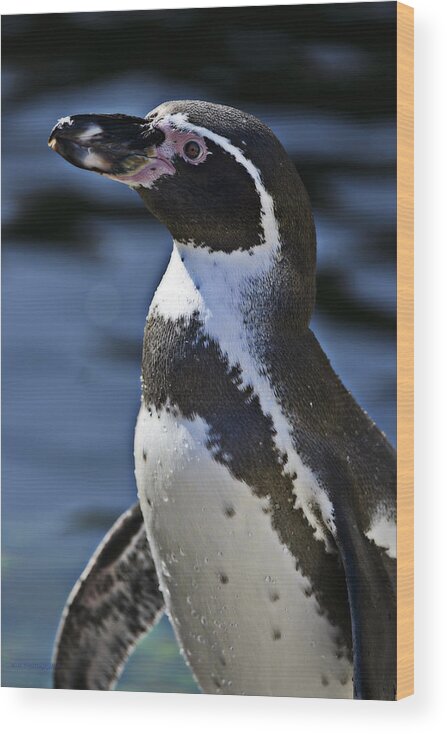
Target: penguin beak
(117, 146)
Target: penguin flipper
(371, 583)
(114, 603)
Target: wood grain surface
(405, 513)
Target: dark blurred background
(82, 257)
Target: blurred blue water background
(82, 257)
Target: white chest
(235, 599)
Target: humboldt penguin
(267, 497)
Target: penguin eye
(192, 150)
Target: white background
(33, 710)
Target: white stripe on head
(268, 219)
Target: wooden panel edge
(405, 352)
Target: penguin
(266, 525)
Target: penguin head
(217, 177)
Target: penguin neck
(255, 289)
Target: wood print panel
(267, 227)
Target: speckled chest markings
(220, 292)
(244, 614)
